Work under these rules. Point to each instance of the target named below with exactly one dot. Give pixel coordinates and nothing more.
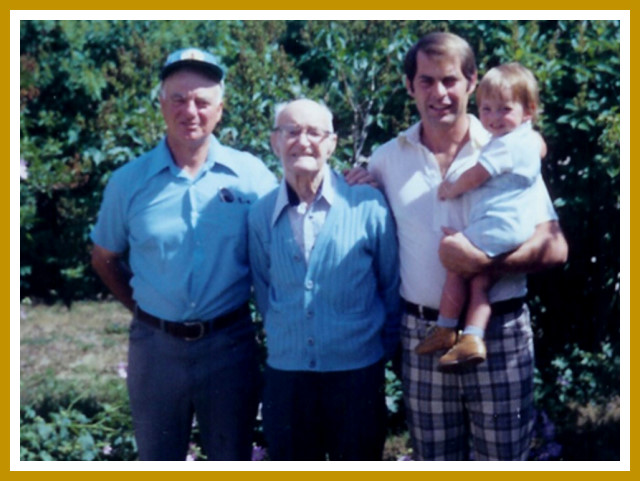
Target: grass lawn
(83, 350)
(83, 347)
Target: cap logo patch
(192, 54)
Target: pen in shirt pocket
(227, 196)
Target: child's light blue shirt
(503, 209)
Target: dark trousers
(170, 379)
(309, 416)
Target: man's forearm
(545, 249)
(112, 272)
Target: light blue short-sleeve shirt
(503, 209)
(186, 237)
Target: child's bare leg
(445, 333)
(454, 295)
(479, 311)
(470, 348)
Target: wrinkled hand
(359, 175)
(445, 190)
(459, 255)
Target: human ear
(533, 111)
(334, 144)
(473, 81)
(409, 85)
(274, 143)
(528, 112)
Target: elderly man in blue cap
(178, 215)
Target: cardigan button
(308, 284)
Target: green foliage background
(88, 104)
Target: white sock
(476, 331)
(447, 322)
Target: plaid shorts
(483, 413)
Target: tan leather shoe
(437, 339)
(468, 351)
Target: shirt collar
(479, 137)
(412, 134)
(524, 126)
(288, 198)
(163, 159)
(218, 155)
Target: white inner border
(622, 15)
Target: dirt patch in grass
(84, 344)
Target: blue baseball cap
(194, 58)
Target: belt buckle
(421, 312)
(200, 334)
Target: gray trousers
(171, 379)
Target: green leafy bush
(580, 391)
(82, 429)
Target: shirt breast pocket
(226, 222)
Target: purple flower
(259, 453)
(554, 449)
(192, 454)
(406, 457)
(122, 370)
(24, 173)
(107, 449)
(548, 430)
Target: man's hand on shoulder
(359, 175)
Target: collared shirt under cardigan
(410, 176)
(306, 219)
(187, 237)
(341, 311)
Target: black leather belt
(499, 308)
(509, 306)
(194, 329)
(422, 312)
